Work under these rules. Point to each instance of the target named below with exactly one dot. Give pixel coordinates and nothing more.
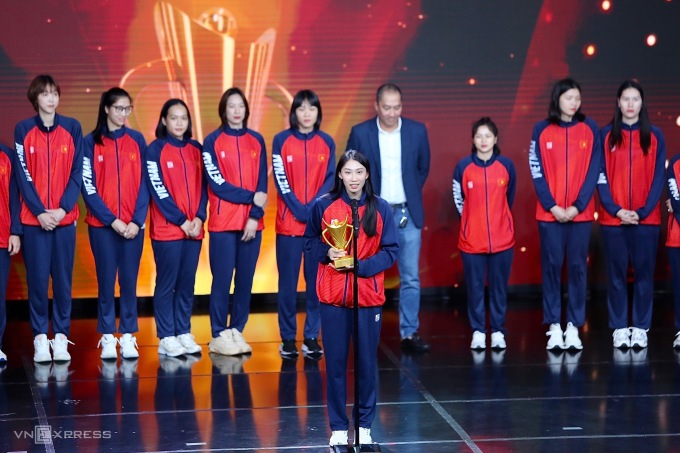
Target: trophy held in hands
(339, 235)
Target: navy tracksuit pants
(336, 323)
(49, 253)
(674, 260)
(5, 264)
(496, 267)
(116, 256)
(289, 250)
(230, 256)
(558, 239)
(636, 244)
(173, 297)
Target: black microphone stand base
(355, 448)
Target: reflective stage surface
(450, 399)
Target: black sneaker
(311, 346)
(288, 348)
(414, 344)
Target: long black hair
(222, 107)
(369, 221)
(560, 87)
(616, 137)
(486, 121)
(108, 98)
(162, 129)
(314, 101)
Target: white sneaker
(3, 356)
(621, 338)
(224, 344)
(498, 340)
(365, 436)
(638, 337)
(478, 340)
(128, 346)
(556, 340)
(108, 344)
(60, 348)
(189, 343)
(241, 342)
(571, 339)
(676, 342)
(171, 347)
(338, 438)
(41, 346)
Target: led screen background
(455, 61)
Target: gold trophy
(336, 236)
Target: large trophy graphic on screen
(201, 79)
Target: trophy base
(346, 262)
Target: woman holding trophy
(377, 247)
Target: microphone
(355, 215)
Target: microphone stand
(355, 337)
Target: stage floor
(450, 399)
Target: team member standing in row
(175, 176)
(49, 161)
(564, 163)
(235, 160)
(303, 159)
(483, 191)
(673, 238)
(630, 187)
(10, 230)
(117, 200)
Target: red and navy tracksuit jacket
(174, 173)
(630, 179)
(375, 254)
(113, 185)
(564, 164)
(235, 163)
(673, 235)
(10, 203)
(483, 193)
(54, 153)
(304, 165)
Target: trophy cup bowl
(335, 235)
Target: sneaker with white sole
(365, 436)
(241, 342)
(638, 337)
(60, 348)
(128, 346)
(571, 338)
(338, 438)
(478, 340)
(621, 338)
(41, 347)
(556, 338)
(171, 347)
(3, 356)
(498, 340)
(108, 344)
(189, 343)
(311, 346)
(676, 342)
(288, 349)
(224, 344)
